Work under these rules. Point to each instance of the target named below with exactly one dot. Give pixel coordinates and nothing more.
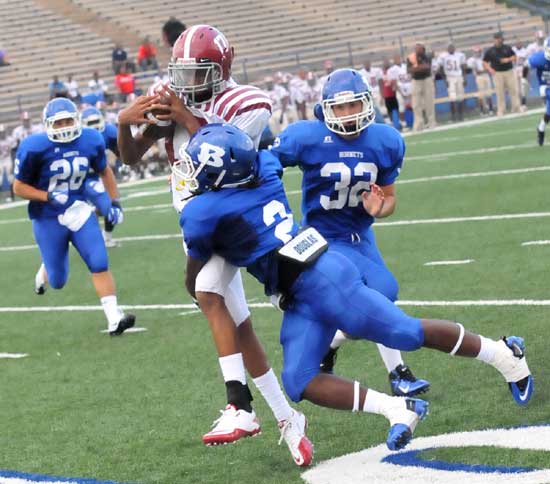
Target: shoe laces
(291, 433)
(224, 414)
(405, 373)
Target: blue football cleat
(403, 419)
(521, 388)
(404, 384)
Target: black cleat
(404, 384)
(540, 137)
(329, 360)
(126, 322)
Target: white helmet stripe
(188, 38)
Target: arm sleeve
(253, 122)
(25, 168)
(286, 148)
(98, 161)
(197, 234)
(388, 175)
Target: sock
(107, 236)
(233, 368)
(40, 278)
(390, 357)
(110, 307)
(376, 402)
(269, 387)
(542, 126)
(238, 395)
(338, 340)
(487, 350)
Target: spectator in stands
(3, 58)
(72, 88)
(119, 57)
(147, 55)
(483, 81)
(499, 61)
(171, 30)
(125, 83)
(57, 88)
(388, 86)
(419, 65)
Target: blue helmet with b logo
(218, 156)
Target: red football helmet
(200, 64)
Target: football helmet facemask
(346, 86)
(58, 109)
(218, 156)
(201, 64)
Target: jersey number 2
(346, 194)
(284, 227)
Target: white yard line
(536, 242)
(448, 262)
(192, 308)
(13, 355)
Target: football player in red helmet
(201, 91)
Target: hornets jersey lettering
(336, 172)
(49, 166)
(242, 225)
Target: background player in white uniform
(399, 72)
(280, 98)
(453, 65)
(483, 81)
(6, 169)
(202, 92)
(373, 75)
(521, 70)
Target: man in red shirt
(147, 56)
(125, 83)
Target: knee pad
(98, 263)
(407, 338)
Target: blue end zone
(43, 478)
(411, 458)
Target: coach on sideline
(499, 61)
(419, 66)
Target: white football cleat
(231, 426)
(40, 281)
(109, 241)
(293, 432)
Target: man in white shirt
(452, 65)
(399, 72)
(483, 81)
(521, 70)
(280, 98)
(373, 75)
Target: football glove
(115, 215)
(58, 198)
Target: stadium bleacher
(275, 35)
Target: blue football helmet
(547, 48)
(347, 86)
(218, 156)
(57, 109)
(92, 118)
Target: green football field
(133, 409)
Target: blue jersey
(337, 171)
(538, 61)
(242, 225)
(110, 137)
(49, 165)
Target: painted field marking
(536, 242)
(378, 465)
(192, 308)
(448, 262)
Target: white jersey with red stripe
(247, 107)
